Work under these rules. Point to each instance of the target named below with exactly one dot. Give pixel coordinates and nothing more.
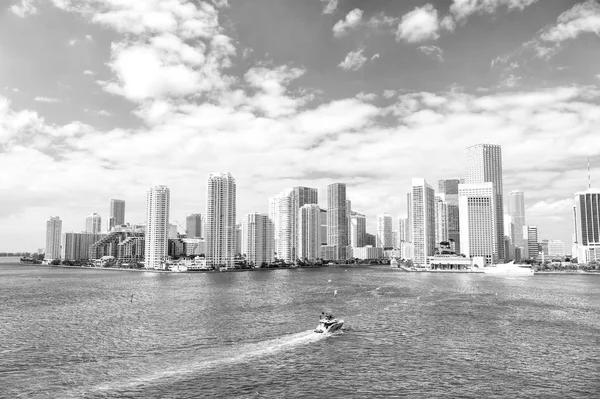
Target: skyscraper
(76, 246)
(220, 219)
(449, 188)
(309, 231)
(53, 236)
(530, 237)
(587, 225)
(257, 239)
(116, 213)
(478, 220)
(384, 231)
(516, 211)
(422, 220)
(441, 219)
(193, 225)
(93, 223)
(358, 230)
(484, 165)
(158, 200)
(337, 221)
(323, 235)
(283, 211)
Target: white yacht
(509, 269)
(329, 325)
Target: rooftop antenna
(589, 175)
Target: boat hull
(324, 328)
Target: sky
(103, 99)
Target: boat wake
(180, 368)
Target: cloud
(581, 18)
(511, 81)
(375, 56)
(366, 97)
(419, 25)
(352, 20)
(354, 60)
(330, 7)
(103, 113)
(389, 93)
(433, 51)
(24, 9)
(88, 72)
(47, 100)
(462, 9)
(381, 21)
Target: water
(79, 333)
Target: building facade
(193, 226)
(76, 246)
(516, 211)
(530, 238)
(116, 213)
(358, 229)
(556, 248)
(384, 231)
(257, 239)
(422, 220)
(158, 200)
(484, 165)
(93, 223)
(309, 232)
(220, 220)
(337, 220)
(368, 252)
(587, 225)
(441, 220)
(478, 221)
(53, 236)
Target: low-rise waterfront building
(367, 252)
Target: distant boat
(509, 269)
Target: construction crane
(182, 228)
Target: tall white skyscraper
(158, 200)
(358, 230)
(449, 188)
(384, 231)
(283, 211)
(441, 219)
(422, 220)
(220, 219)
(93, 223)
(309, 232)
(53, 236)
(478, 220)
(516, 211)
(337, 220)
(257, 239)
(484, 165)
(116, 213)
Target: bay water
(67, 333)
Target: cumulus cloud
(24, 8)
(433, 51)
(88, 72)
(462, 9)
(354, 60)
(352, 20)
(330, 6)
(366, 97)
(581, 18)
(419, 25)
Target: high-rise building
(384, 231)
(422, 221)
(370, 239)
(516, 211)
(158, 200)
(441, 219)
(403, 229)
(349, 219)
(530, 238)
(309, 231)
(509, 234)
(478, 220)
(193, 225)
(220, 219)
(358, 229)
(484, 165)
(77, 245)
(587, 225)
(116, 213)
(283, 211)
(323, 227)
(238, 239)
(556, 248)
(257, 239)
(93, 223)
(337, 220)
(449, 188)
(53, 236)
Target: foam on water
(234, 355)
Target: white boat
(509, 269)
(329, 325)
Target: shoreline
(171, 271)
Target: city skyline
(374, 101)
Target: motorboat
(509, 269)
(329, 325)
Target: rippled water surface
(108, 334)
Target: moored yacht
(509, 269)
